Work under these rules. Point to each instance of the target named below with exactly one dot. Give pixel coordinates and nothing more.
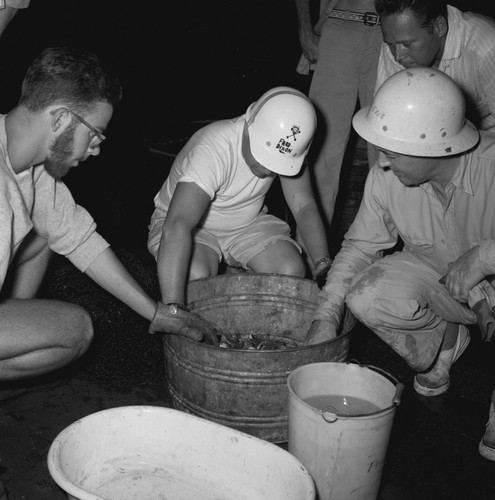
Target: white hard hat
(417, 112)
(280, 127)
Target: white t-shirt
(212, 159)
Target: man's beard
(61, 151)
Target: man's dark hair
(426, 11)
(71, 77)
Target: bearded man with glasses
(66, 103)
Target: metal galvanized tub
(247, 389)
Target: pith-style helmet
(417, 112)
(280, 127)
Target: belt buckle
(370, 19)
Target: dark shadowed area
(183, 62)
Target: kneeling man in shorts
(211, 206)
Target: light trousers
(401, 300)
(345, 74)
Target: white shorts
(236, 246)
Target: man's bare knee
(199, 271)
(81, 335)
(294, 267)
(288, 266)
(75, 331)
(281, 257)
(39, 336)
(204, 263)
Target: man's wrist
(487, 257)
(327, 261)
(177, 305)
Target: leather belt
(368, 18)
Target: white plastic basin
(147, 452)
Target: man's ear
(60, 117)
(440, 26)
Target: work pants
(401, 300)
(345, 72)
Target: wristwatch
(175, 306)
(324, 260)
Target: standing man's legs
(369, 65)
(348, 54)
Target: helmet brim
(286, 166)
(466, 139)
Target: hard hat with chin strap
(279, 128)
(417, 112)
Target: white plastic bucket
(343, 447)
(151, 453)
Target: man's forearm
(108, 272)
(348, 262)
(311, 229)
(173, 264)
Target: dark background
(181, 62)
(178, 62)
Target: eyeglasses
(96, 138)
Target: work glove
(320, 272)
(481, 300)
(176, 319)
(321, 330)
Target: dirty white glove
(321, 330)
(178, 320)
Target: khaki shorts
(238, 246)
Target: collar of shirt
(454, 38)
(462, 176)
(461, 179)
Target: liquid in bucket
(342, 405)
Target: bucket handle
(399, 386)
(330, 414)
